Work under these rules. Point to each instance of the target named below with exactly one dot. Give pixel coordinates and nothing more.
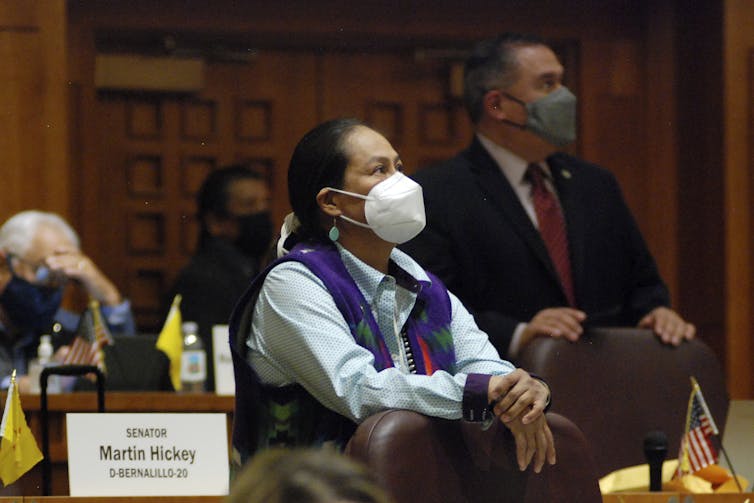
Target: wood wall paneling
(700, 166)
(162, 146)
(742, 350)
(167, 144)
(34, 134)
(332, 23)
(612, 125)
(56, 182)
(659, 98)
(405, 98)
(20, 168)
(738, 199)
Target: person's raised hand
(74, 264)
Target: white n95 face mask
(394, 209)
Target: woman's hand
(518, 396)
(519, 401)
(533, 442)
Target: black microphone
(655, 449)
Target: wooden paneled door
(157, 149)
(408, 96)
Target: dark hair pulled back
(319, 160)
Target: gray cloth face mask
(552, 117)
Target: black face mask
(30, 307)
(255, 233)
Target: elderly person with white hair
(39, 254)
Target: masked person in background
(39, 256)
(235, 233)
(535, 242)
(345, 325)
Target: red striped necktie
(552, 228)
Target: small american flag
(91, 336)
(697, 449)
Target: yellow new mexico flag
(18, 447)
(170, 341)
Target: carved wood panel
(33, 160)
(157, 150)
(405, 97)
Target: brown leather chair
(618, 384)
(419, 459)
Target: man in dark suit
(535, 242)
(235, 232)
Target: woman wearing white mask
(345, 325)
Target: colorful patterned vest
(289, 416)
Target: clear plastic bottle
(43, 359)
(193, 359)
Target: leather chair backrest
(419, 459)
(133, 363)
(618, 384)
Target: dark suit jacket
(481, 242)
(210, 285)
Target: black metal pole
(69, 370)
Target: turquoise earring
(334, 233)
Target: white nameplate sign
(151, 454)
(225, 382)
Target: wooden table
(58, 405)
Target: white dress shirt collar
(512, 166)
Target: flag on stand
(697, 449)
(170, 341)
(18, 447)
(91, 336)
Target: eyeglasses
(43, 275)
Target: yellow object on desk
(705, 481)
(634, 478)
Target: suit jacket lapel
(496, 188)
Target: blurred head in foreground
(305, 476)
